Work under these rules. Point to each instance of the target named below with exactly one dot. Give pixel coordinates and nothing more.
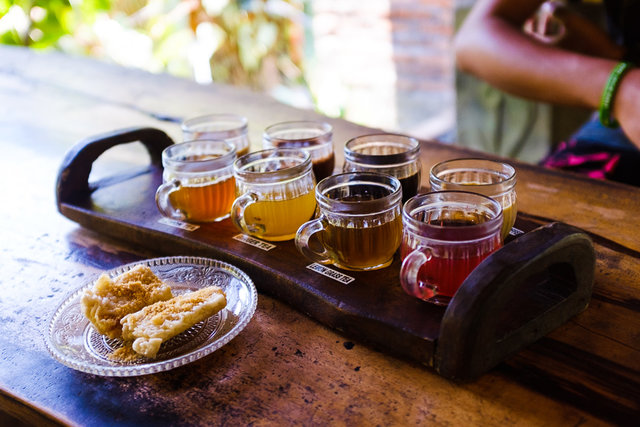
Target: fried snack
(112, 299)
(156, 323)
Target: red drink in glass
(446, 235)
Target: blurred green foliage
(43, 22)
(258, 43)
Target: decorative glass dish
(73, 341)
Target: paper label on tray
(330, 273)
(254, 242)
(178, 224)
(515, 231)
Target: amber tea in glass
(198, 183)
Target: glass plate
(73, 341)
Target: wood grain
(284, 367)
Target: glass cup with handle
(198, 183)
(492, 178)
(393, 154)
(446, 234)
(359, 226)
(275, 193)
(316, 138)
(227, 127)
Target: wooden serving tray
(535, 283)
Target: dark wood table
(284, 368)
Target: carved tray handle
(73, 176)
(515, 296)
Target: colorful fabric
(598, 161)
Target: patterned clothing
(595, 150)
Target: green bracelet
(609, 92)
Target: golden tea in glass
(363, 248)
(359, 227)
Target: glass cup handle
(164, 203)
(409, 273)
(237, 212)
(304, 233)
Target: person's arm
(492, 45)
(555, 23)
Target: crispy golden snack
(112, 299)
(156, 323)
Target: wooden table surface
(284, 368)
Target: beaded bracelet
(609, 92)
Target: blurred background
(381, 63)
(387, 64)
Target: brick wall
(385, 63)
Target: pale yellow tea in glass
(279, 219)
(487, 177)
(275, 193)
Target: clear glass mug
(275, 190)
(359, 226)
(316, 138)
(198, 183)
(392, 154)
(446, 234)
(489, 177)
(226, 127)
